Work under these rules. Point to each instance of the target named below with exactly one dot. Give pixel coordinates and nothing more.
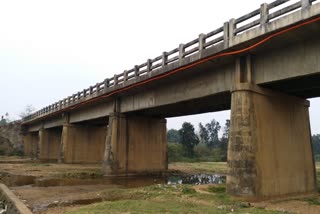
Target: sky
(52, 49)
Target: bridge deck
(212, 50)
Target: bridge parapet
(200, 48)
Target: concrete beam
(96, 111)
(213, 81)
(300, 59)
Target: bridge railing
(257, 18)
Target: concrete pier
(270, 152)
(30, 144)
(83, 144)
(135, 145)
(49, 144)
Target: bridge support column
(270, 152)
(83, 144)
(49, 144)
(30, 144)
(135, 145)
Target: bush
(317, 157)
(2, 151)
(16, 153)
(202, 153)
(175, 152)
(205, 154)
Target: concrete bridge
(263, 66)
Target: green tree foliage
(188, 139)
(203, 134)
(316, 146)
(173, 136)
(224, 141)
(192, 148)
(175, 152)
(3, 121)
(213, 129)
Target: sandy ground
(59, 199)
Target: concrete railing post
(181, 52)
(98, 87)
(305, 8)
(202, 43)
(125, 76)
(232, 28)
(226, 34)
(164, 58)
(106, 84)
(305, 4)
(149, 67)
(264, 16)
(115, 80)
(136, 71)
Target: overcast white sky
(51, 49)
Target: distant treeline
(204, 144)
(189, 145)
(316, 146)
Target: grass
(168, 199)
(179, 198)
(204, 167)
(82, 174)
(313, 201)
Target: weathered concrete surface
(30, 144)
(83, 144)
(14, 205)
(49, 144)
(270, 151)
(135, 145)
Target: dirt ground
(56, 195)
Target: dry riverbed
(64, 188)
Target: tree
(29, 109)
(3, 121)
(203, 134)
(173, 136)
(225, 140)
(188, 138)
(213, 129)
(316, 146)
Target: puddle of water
(197, 179)
(126, 182)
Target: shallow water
(127, 182)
